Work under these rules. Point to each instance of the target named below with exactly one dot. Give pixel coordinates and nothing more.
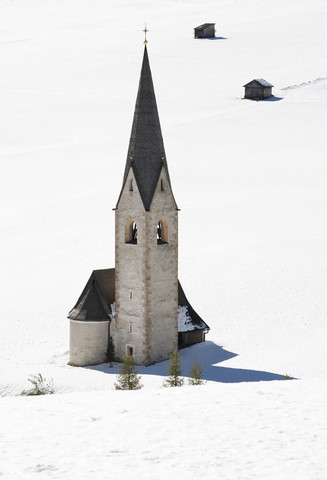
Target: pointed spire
(146, 153)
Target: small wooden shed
(206, 30)
(258, 89)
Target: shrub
(196, 374)
(128, 378)
(174, 371)
(110, 352)
(40, 386)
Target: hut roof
(94, 304)
(204, 26)
(261, 82)
(146, 152)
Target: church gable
(163, 197)
(130, 198)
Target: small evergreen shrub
(40, 386)
(128, 378)
(110, 352)
(195, 374)
(174, 371)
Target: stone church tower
(140, 302)
(146, 243)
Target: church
(139, 303)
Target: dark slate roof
(94, 304)
(146, 152)
(261, 81)
(203, 26)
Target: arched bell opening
(131, 232)
(162, 232)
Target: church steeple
(146, 152)
(137, 302)
(146, 240)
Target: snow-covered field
(250, 179)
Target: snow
(271, 430)
(185, 321)
(250, 178)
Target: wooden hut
(207, 30)
(258, 89)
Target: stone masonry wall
(162, 287)
(146, 276)
(129, 276)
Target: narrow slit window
(131, 295)
(131, 186)
(130, 350)
(130, 328)
(162, 185)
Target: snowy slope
(250, 179)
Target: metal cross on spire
(145, 32)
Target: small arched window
(162, 232)
(131, 232)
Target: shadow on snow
(268, 99)
(208, 354)
(273, 99)
(213, 38)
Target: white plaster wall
(88, 342)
